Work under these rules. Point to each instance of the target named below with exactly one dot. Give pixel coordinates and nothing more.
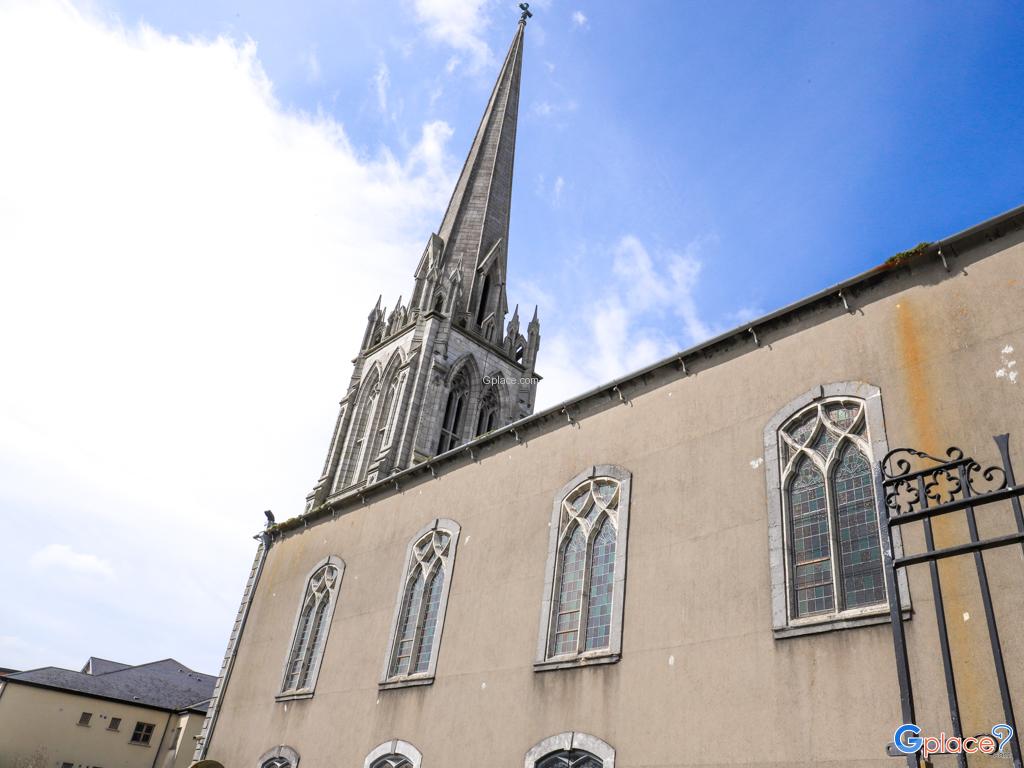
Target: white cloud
(459, 24)
(63, 557)
(551, 193)
(187, 268)
(619, 323)
(672, 288)
(579, 19)
(556, 190)
(548, 109)
(312, 65)
(435, 95)
(381, 84)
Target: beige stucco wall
(38, 729)
(179, 747)
(701, 681)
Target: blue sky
(822, 136)
(203, 199)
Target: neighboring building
(108, 715)
(473, 607)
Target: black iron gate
(910, 493)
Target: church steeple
(475, 225)
(444, 369)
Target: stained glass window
(575, 758)
(311, 630)
(860, 556)
(602, 569)
(570, 594)
(407, 626)
(833, 552)
(810, 536)
(417, 631)
(391, 761)
(277, 762)
(582, 599)
(316, 642)
(425, 639)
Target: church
(722, 558)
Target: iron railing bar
(899, 640)
(1003, 444)
(959, 549)
(1009, 492)
(993, 628)
(940, 620)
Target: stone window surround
(613, 652)
(568, 741)
(307, 693)
(394, 747)
(782, 625)
(387, 680)
(286, 752)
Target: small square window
(85, 718)
(67, 765)
(143, 733)
(115, 724)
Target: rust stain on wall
(954, 573)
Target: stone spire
(443, 369)
(475, 225)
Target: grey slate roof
(97, 666)
(167, 684)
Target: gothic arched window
(394, 754)
(834, 554)
(279, 757)
(484, 299)
(355, 457)
(384, 423)
(581, 621)
(392, 761)
(571, 750)
(311, 627)
(569, 758)
(827, 556)
(488, 416)
(454, 413)
(420, 610)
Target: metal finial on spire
(525, 7)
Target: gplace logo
(908, 740)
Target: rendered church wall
(702, 680)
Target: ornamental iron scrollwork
(909, 487)
(917, 488)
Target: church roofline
(835, 296)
